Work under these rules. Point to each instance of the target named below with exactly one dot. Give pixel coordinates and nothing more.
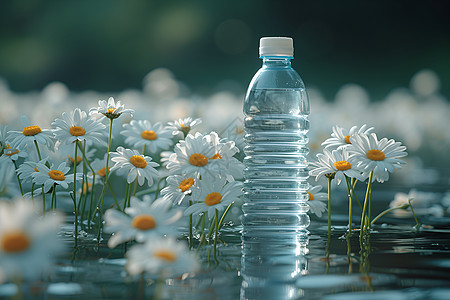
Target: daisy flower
(29, 135)
(316, 200)
(111, 109)
(224, 160)
(77, 126)
(28, 241)
(214, 193)
(65, 152)
(341, 136)
(337, 162)
(161, 255)
(380, 156)
(49, 177)
(178, 187)
(143, 133)
(235, 133)
(27, 169)
(142, 221)
(183, 126)
(135, 165)
(164, 158)
(14, 154)
(99, 166)
(193, 155)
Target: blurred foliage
(109, 45)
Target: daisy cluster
(154, 177)
(354, 155)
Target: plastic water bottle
(276, 110)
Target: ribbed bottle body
(276, 110)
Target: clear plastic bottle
(276, 110)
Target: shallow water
(397, 262)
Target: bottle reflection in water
(271, 266)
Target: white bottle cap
(276, 46)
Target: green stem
(211, 228)
(191, 236)
(216, 233)
(74, 196)
(106, 170)
(369, 213)
(202, 238)
(48, 165)
(404, 206)
(157, 187)
(329, 204)
(145, 192)
(354, 182)
(37, 150)
(366, 200)
(350, 204)
(18, 179)
(53, 203)
(114, 196)
(43, 200)
(414, 215)
(126, 196)
(225, 214)
(83, 151)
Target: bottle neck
(276, 61)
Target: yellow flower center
(87, 187)
(143, 222)
(375, 154)
(213, 199)
(102, 172)
(11, 153)
(149, 135)
(342, 165)
(14, 242)
(31, 130)
(186, 184)
(347, 139)
(138, 161)
(216, 156)
(77, 131)
(111, 110)
(79, 159)
(311, 196)
(166, 255)
(56, 175)
(198, 160)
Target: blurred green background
(110, 45)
